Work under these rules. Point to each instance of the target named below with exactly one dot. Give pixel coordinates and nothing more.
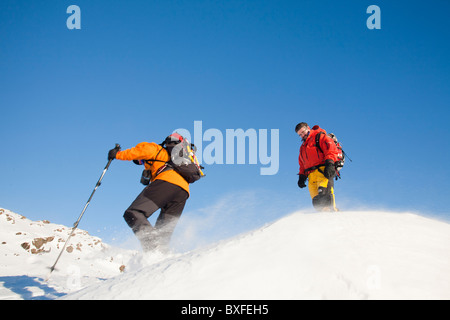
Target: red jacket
(310, 155)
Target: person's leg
(159, 194)
(167, 221)
(139, 211)
(321, 190)
(136, 217)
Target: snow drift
(345, 255)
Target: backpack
(182, 157)
(182, 160)
(339, 164)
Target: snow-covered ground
(28, 248)
(345, 255)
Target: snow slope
(345, 255)
(28, 248)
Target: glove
(330, 170)
(301, 181)
(113, 152)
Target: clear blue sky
(137, 70)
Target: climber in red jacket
(318, 154)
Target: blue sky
(137, 70)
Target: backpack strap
(318, 167)
(164, 167)
(317, 144)
(150, 161)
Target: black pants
(163, 195)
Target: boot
(152, 240)
(146, 236)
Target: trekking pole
(75, 225)
(346, 156)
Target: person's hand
(301, 181)
(113, 152)
(330, 170)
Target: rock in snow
(345, 255)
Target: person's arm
(142, 151)
(329, 148)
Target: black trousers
(163, 195)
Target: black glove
(113, 152)
(301, 180)
(330, 170)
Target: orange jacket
(151, 151)
(311, 156)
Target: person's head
(303, 130)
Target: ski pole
(75, 225)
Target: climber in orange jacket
(317, 157)
(167, 190)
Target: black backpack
(182, 159)
(339, 164)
